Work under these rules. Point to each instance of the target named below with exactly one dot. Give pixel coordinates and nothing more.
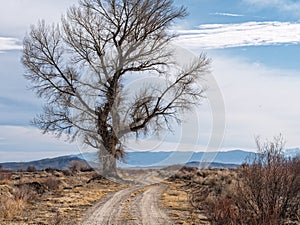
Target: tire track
(138, 205)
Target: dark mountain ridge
(55, 163)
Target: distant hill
(213, 165)
(292, 152)
(228, 159)
(57, 163)
(236, 157)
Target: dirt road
(138, 205)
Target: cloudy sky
(255, 48)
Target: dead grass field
(50, 198)
(176, 200)
(61, 198)
(57, 197)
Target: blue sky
(255, 48)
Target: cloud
(9, 44)
(282, 5)
(19, 143)
(17, 15)
(210, 36)
(259, 101)
(227, 14)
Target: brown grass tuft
(52, 183)
(14, 203)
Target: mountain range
(228, 159)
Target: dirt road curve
(135, 206)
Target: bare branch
(82, 65)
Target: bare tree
(81, 66)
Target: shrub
(34, 186)
(77, 166)
(5, 175)
(269, 188)
(50, 170)
(31, 169)
(66, 173)
(24, 193)
(267, 191)
(52, 183)
(87, 168)
(14, 205)
(212, 196)
(10, 208)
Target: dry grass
(10, 208)
(5, 177)
(176, 200)
(14, 201)
(52, 183)
(193, 197)
(183, 191)
(50, 198)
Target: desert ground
(64, 197)
(171, 195)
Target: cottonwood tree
(82, 65)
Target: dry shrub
(50, 170)
(67, 173)
(185, 173)
(267, 191)
(77, 166)
(5, 176)
(10, 207)
(269, 188)
(13, 205)
(31, 169)
(24, 193)
(226, 212)
(212, 196)
(96, 177)
(52, 183)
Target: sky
(254, 82)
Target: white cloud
(211, 36)
(259, 101)
(227, 14)
(282, 5)
(17, 15)
(9, 44)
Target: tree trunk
(109, 164)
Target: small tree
(80, 68)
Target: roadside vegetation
(263, 191)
